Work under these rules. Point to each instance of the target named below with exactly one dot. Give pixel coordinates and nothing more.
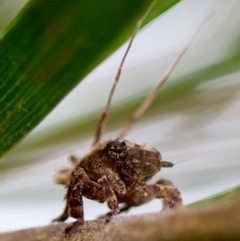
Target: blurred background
(195, 118)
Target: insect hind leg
(63, 217)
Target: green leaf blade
(50, 47)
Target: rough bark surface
(218, 222)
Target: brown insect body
(133, 161)
(116, 172)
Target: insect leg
(164, 189)
(111, 183)
(75, 202)
(81, 186)
(110, 198)
(64, 216)
(88, 189)
(125, 208)
(114, 180)
(70, 185)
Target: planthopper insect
(116, 171)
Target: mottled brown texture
(116, 172)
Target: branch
(218, 221)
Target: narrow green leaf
(52, 45)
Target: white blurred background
(202, 127)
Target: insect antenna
(103, 118)
(166, 164)
(148, 100)
(181, 162)
(171, 164)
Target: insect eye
(124, 143)
(114, 148)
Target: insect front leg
(81, 186)
(112, 183)
(75, 178)
(75, 202)
(165, 190)
(72, 181)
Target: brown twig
(212, 222)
